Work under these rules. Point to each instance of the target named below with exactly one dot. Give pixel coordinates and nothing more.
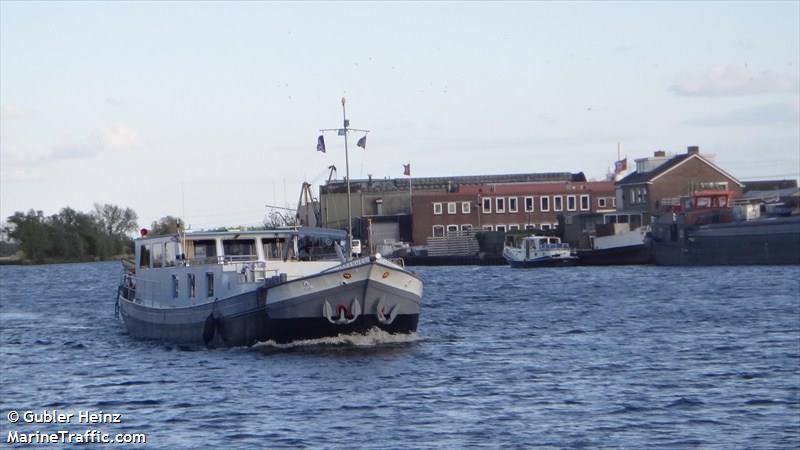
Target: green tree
(165, 225)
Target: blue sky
(214, 108)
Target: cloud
(119, 138)
(114, 101)
(732, 80)
(771, 114)
(14, 112)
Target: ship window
(174, 286)
(571, 205)
(273, 248)
(512, 204)
(192, 286)
(170, 254)
(158, 255)
(465, 207)
(528, 204)
(437, 208)
(558, 203)
(584, 202)
(144, 256)
(239, 247)
(500, 204)
(205, 249)
(438, 231)
(487, 206)
(544, 203)
(210, 284)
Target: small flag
(621, 165)
(321, 144)
(407, 169)
(362, 142)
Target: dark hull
(634, 254)
(550, 262)
(249, 327)
(774, 241)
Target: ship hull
(773, 241)
(618, 256)
(543, 262)
(353, 299)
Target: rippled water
(621, 357)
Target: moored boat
(539, 251)
(707, 228)
(236, 288)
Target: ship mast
(343, 132)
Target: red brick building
(507, 206)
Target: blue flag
(321, 144)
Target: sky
(210, 111)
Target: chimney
(693, 150)
(659, 153)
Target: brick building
(662, 177)
(507, 206)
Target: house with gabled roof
(660, 179)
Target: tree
(31, 231)
(278, 219)
(115, 220)
(165, 225)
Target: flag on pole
(407, 169)
(321, 144)
(362, 142)
(621, 165)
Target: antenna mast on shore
(343, 132)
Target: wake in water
(375, 337)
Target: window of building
(465, 207)
(571, 203)
(451, 207)
(452, 229)
(513, 227)
(500, 228)
(437, 208)
(512, 204)
(530, 226)
(545, 226)
(601, 202)
(499, 205)
(614, 202)
(379, 206)
(466, 227)
(554, 226)
(488, 227)
(210, 284)
(438, 231)
(487, 205)
(558, 203)
(585, 202)
(544, 203)
(528, 204)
